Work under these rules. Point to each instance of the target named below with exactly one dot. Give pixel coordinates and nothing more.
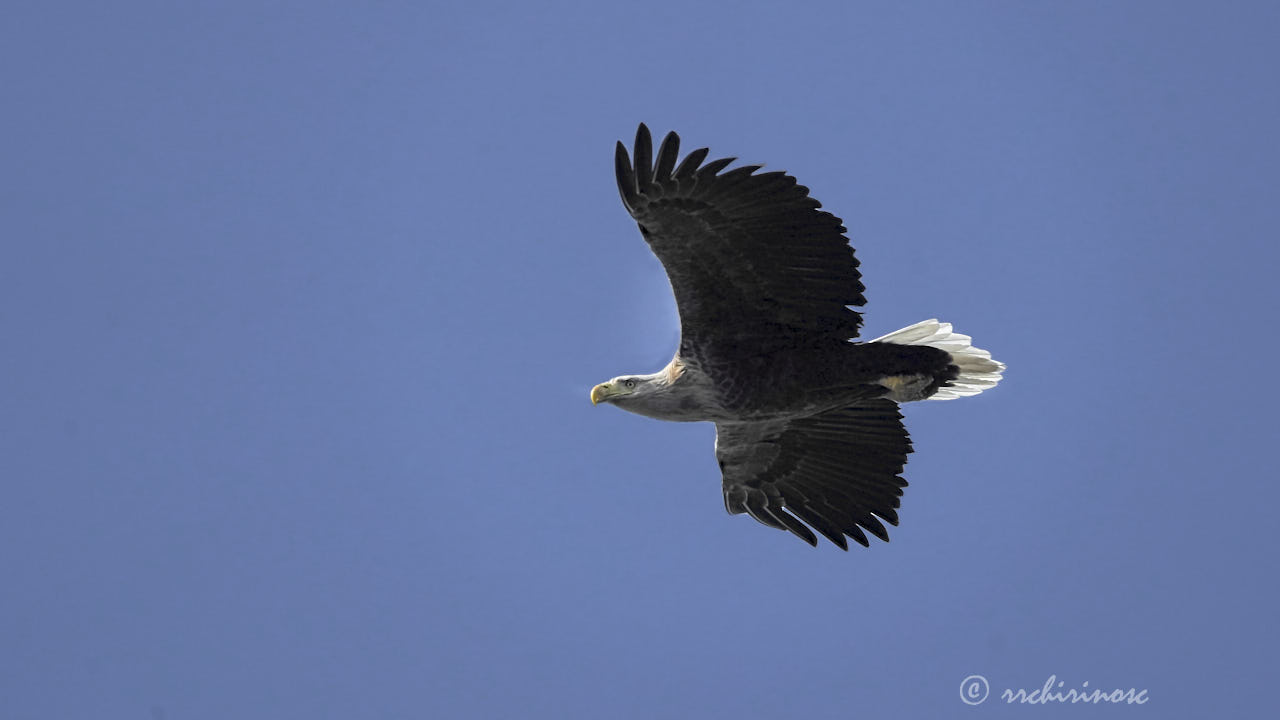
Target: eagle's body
(807, 424)
(780, 383)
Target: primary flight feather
(808, 433)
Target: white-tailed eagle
(808, 433)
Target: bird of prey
(808, 432)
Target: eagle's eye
(629, 383)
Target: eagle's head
(622, 388)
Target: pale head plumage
(672, 393)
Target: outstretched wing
(752, 260)
(839, 471)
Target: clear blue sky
(301, 302)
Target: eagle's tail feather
(978, 371)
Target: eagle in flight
(808, 432)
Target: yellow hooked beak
(600, 392)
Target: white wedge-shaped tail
(978, 371)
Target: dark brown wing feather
(839, 471)
(753, 262)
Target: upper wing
(836, 471)
(752, 260)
